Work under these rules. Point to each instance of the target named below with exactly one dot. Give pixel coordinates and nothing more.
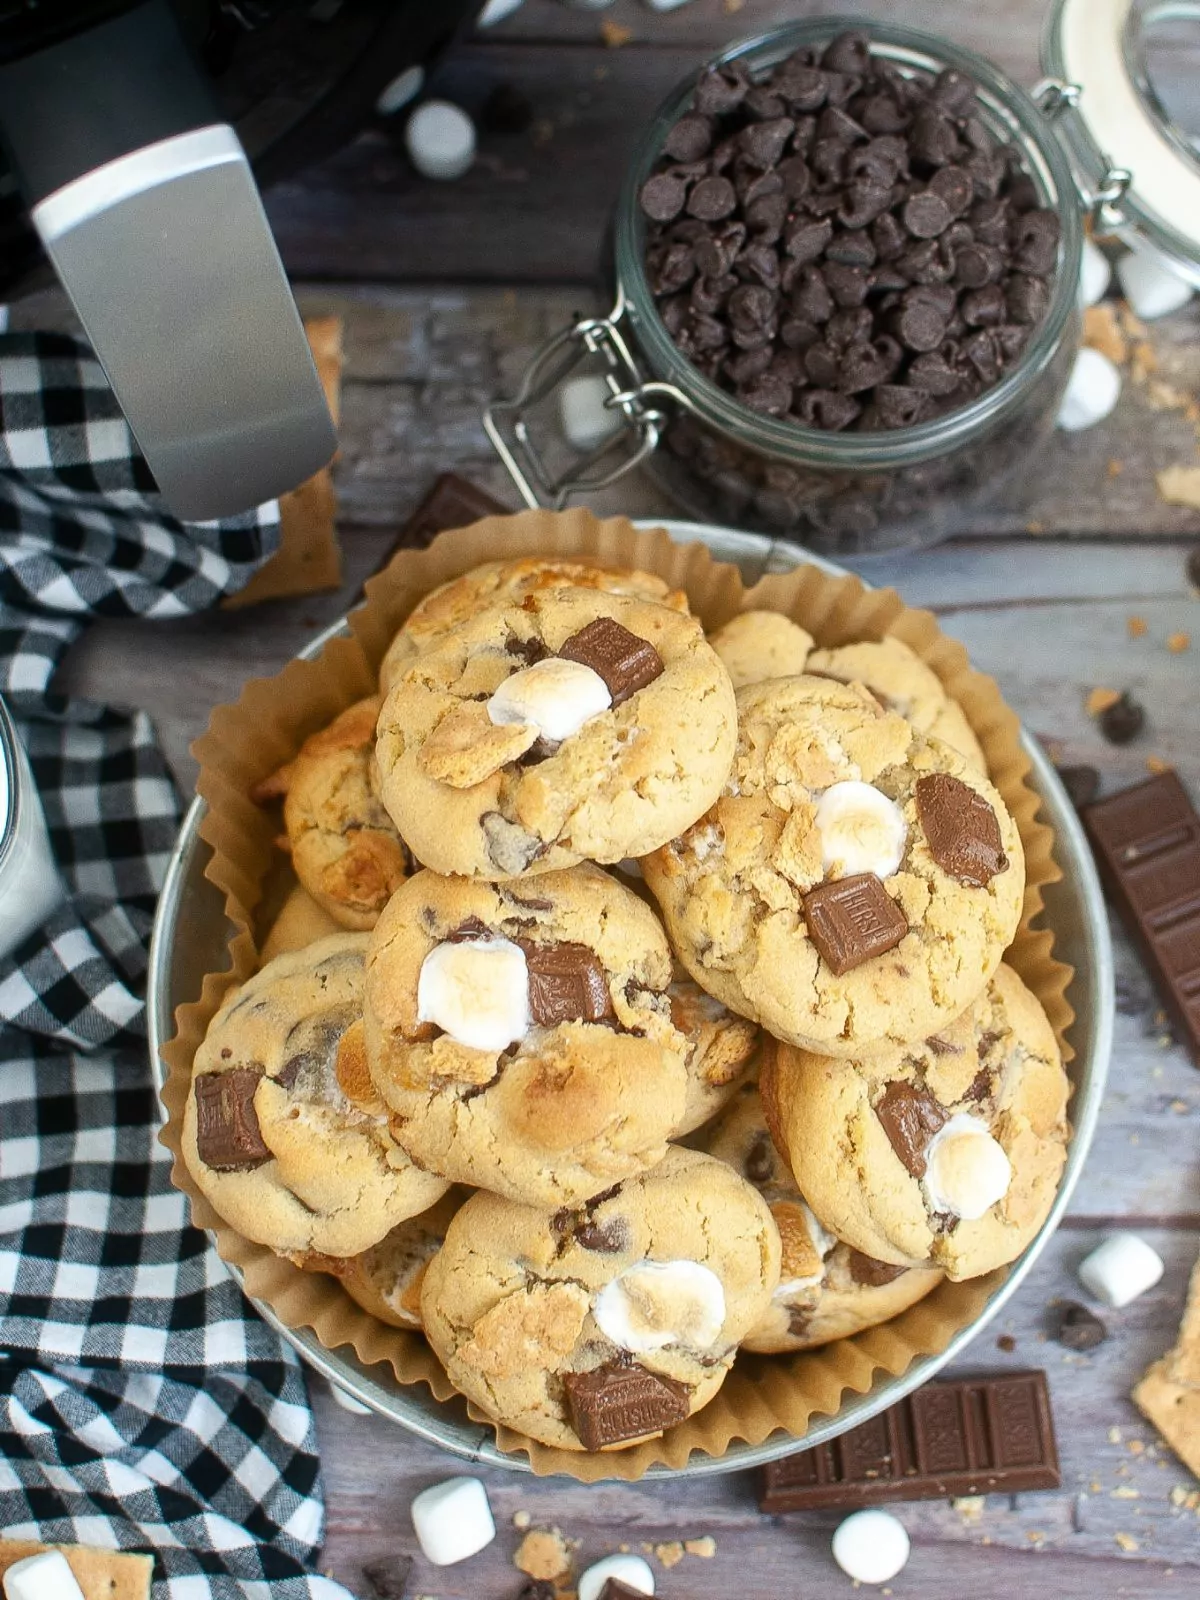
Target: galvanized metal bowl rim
(413, 1407)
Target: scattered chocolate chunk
(606, 1238)
(1079, 1328)
(962, 830)
(910, 1116)
(866, 1270)
(1081, 783)
(625, 662)
(1006, 1342)
(617, 1402)
(228, 1138)
(566, 984)
(614, 1589)
(388, 1579)
(1121, 722)
(851, 920)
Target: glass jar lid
(1119, 69)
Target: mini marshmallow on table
(440, 140)
(632, 1571)
(1120, 1269)
(587, 421)
(1093, 390)
(1151, 285)
(453, 1520)
(871, 1546)
(1095, 274)
(46, 1576)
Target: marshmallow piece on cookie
(477, 991)
(656, 1303)
(1120, 1269)
(871, 1546)
(453, 1520)
(861, 831)
(966, 1170)
(556, 697)
(632, 1571)
(46, 1576)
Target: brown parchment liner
(247, 740)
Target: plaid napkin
(143, 1404)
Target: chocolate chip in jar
(837, 182)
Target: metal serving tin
(191, 937)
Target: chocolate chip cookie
(521, 1033)
(761, 644)
(594, 1328)
(345, 847)
(283, 1131)
(900, 680)
(855, 885)
(508, 582)
(948, 1152)
(827, 1290)
(577, 725)
(386, 1279)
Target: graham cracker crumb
(1102, 331)
(1036, 1536)
(732, 7)
(1179, 486)
(1115, 468)
(1100, 699)
(1035, 527)
(1136, 625)
(1136, 1446)
(1127, 1542)
(615, 34)
(1095, 1486)
(1114, 1436)
(521, 1520)
(670, 1553)
(543, 1554)
(704, 1547)
(1131, 323)
(969, 1506)
(1125, 1491)
(1178, 642)
(1156, 764)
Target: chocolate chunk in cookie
(910, 1116)
(866, 1270)
(566, 984)
(228, 1137)
(625, 662)
(851, 920)
(962, 829)
(616, 1402)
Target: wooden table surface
(445, 291)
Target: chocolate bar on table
(452, 502)
(1147, 845)
(965, 1437)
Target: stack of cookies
(641, 1002)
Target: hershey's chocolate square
(613, 1403)
(625, 662)
(228, 1137)
(851, 920)
(566, 984)
(910, 1116)
(614, 1589)
(962, 830)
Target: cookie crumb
(969, 1506)
(543, 1554)
(1100, 699)
(1179, 486)
(1114, 1436)
(1115, 468)
(1178, 642)
(704, 1547)
(1136, 625)
(1156, 765)
(1125, 1491)
(521, 1520)
(615, 34)
(1136, 1447)
(1036, 1537)
(669, 1553)
(1006, 1342)
(1102, 331)
(1127, 1542)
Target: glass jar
(722, 461)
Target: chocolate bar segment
(851, 920)
(961, 829)
(866, 1270)
(910, 1116)
(614, 1589)
(617, 1402)
(966, 1437)
(452, 502)
(228, 1138)
(625, 662)
(1147, 844)
(566, 984)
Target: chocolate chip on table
(625, 662)
(228, 1137)
(1122, 721)
(388, 1579)
(1082, 784)
(1078, 1328)
(911, 1116)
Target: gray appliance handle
(147, 208)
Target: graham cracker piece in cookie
(101, 1574)
(309, 559)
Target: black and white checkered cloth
(143, 1404)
